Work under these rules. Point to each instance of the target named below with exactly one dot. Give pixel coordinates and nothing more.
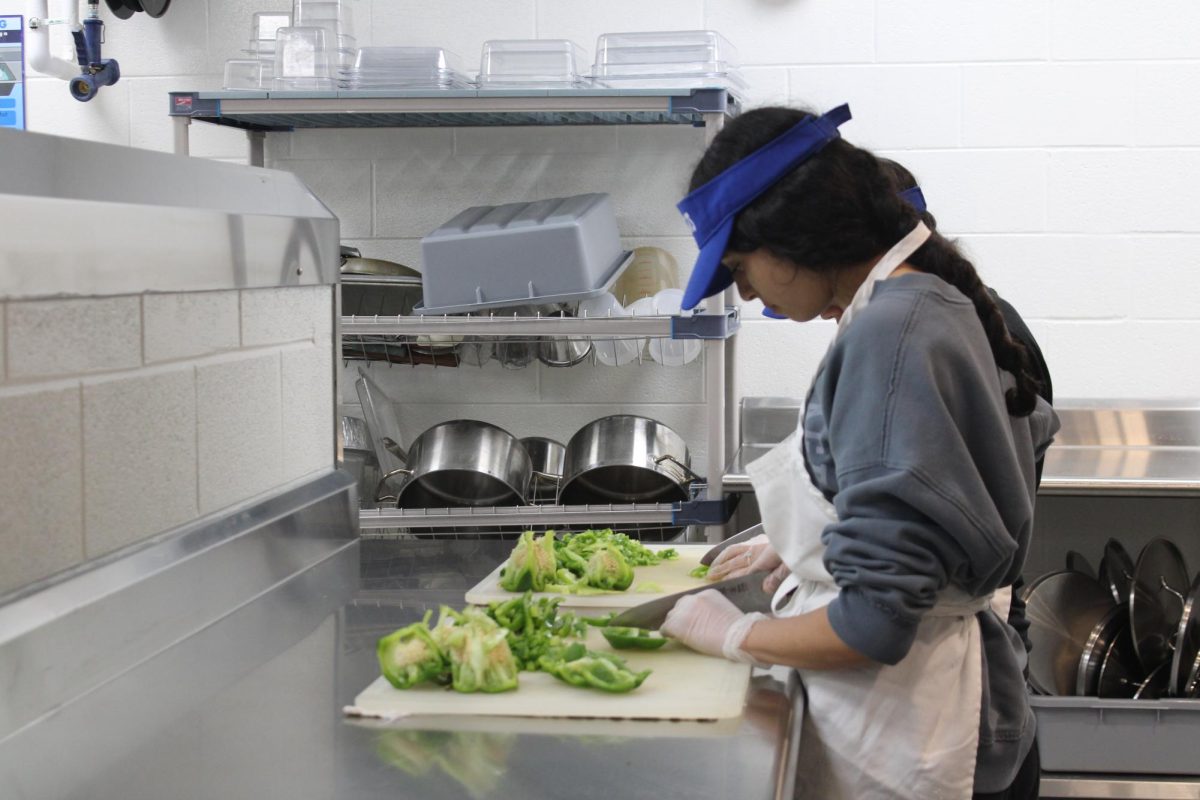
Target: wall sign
(12, 72)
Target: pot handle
(383, 498)
(690, 475)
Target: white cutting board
(685, 685)
(671, 576)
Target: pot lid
(1062, 609)
(1120, 671)
(1115, 622)
(1116, 570)
(1077, 563)
(1187, 640)
(1156, 601)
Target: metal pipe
(37, 39)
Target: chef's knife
(737, 538)
(745, 592)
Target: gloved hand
(775, 579)
(741, 559)
(708, 622)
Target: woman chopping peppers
(898, 515)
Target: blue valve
(97, 72)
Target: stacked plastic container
(404, 68)
(532, 64)
(257, 70)
(308, 54)
(666, 59)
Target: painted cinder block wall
(1056, 139)
(124, 417)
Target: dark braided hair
(840, 208)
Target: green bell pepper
(410, 656)
(531, 565)
(588, 669)
(608, 569)
(632, 638)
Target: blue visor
(915, 198)
(710, 210)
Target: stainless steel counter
(1115, 448)
(250, 706)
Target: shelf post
(257, 140)
(181, 135)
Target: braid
(940, 257)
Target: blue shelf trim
(705, 512)
(706, 326)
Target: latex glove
(741, 559)
(709, 623)
(775, 579)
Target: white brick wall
(1059, 140)
(123, 417)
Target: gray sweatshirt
(907, 434)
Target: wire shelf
(652, 521)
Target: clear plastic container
(267, 23)
(404, 68)
(338, 21)
(666, 58)
(531, 62)
(663, 52)
(302, 59)
(247, 73)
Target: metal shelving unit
(259, 113)
(712, 510)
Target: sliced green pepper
(632, 638)
(700, 571)
(591, 670)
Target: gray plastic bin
(557, 250)
(1087, 734)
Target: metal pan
(1187, 640)
(1156, 601)
(1063, 610)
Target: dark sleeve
(908, 421)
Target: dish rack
(708, 506)
(435, 340)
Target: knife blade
(745, 592)
(737, 538)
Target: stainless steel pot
(563, 351)
(358, 458)
(625, 459)
(547, 458)
(465, 462)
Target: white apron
(907, 731)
